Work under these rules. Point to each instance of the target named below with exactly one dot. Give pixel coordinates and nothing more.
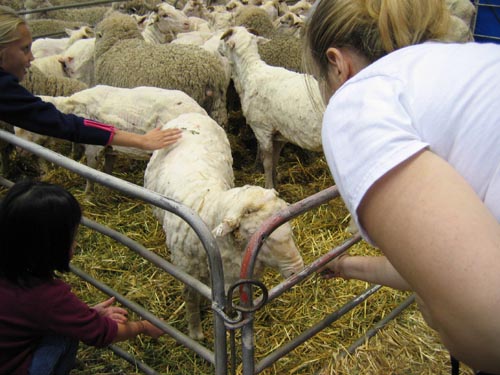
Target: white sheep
(136, 110)
(53, 46)
(197, 171)
(290, 24)
(279, 105)
(78, 61)
(50, 65)
(274, 8)
(164, 24)
(300, 8)
(195, 8)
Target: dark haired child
(41, 320)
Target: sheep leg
(109, 159)
(277, 147)
(92, 155)
(193, 313)
(267, 162)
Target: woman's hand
(115, 313)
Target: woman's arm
(445, 243)
(372, 269)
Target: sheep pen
(405, 346)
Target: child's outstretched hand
(115, 313)
(152, 330)
(157, 138)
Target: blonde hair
(372, 27)
(9, 21)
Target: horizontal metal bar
(68, 6)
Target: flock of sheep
(145, 64)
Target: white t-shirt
(445, 97)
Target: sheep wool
(139, 7)
(124, 59)
(255, 18)
(197, 171)
(42, 27)
(40, 84)
(283, 50)
(136, 110)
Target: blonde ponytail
(373, 28)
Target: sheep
(197, 171)
(78, 61)
(89, 15)
(279, 105)
(220, 19)
(50, 66)
(124, 59)
(255, 18)
(14, 4)
(139, 7)
(282, 50)
(274, 8)
(52, 46)
(164, 24)
(39, 83)
(136, 110)
(289, 24)
(300, 8)
(195, 8)
(44, 27)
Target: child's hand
(152, 330)
(115, 313)
(156, 138)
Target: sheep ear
(227, 226)
(262, 40)
(225, 36)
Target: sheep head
(250, 207)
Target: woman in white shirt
(411, 134)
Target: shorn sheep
(197, 171)
(279, 105)
(136, 110)
(124, 59)
(52, 46)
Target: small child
(41, 320)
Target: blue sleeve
(22, 109)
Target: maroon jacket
(28, 314)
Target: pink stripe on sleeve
(99, 125)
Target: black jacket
(21, 108)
